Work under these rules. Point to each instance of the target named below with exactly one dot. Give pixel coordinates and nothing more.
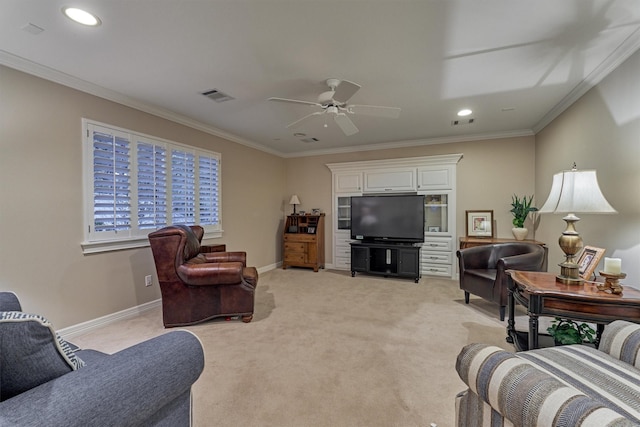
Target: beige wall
(41, 202)
(489, 172)
(41, 194)
(601, 131)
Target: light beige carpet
(326, 349)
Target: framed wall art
(588, 261)
(479, 223)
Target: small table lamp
(294, 201)
(574, 192)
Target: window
(135, 184)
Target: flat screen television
(393, 218)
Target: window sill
(132, 243)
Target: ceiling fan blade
(345, 124)
(297, 122)
(375, 110)
(294, 101)
(345, 91)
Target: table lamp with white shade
(294, 201)
(574, 192)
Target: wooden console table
(470, 242)
(541, 295)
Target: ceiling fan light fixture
(81, 16)
(464, 112)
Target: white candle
(612, 265)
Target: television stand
(386, 259)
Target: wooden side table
(541, 295)
(212, 248)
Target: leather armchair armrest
(211, 273)
(477, 257)
(227, 257)
(526, 262)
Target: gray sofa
(565, 386)
(45, 381)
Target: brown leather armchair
(482, 269)
(200, 286)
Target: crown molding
(29, 67)
(415, 143)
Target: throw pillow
(31, 353)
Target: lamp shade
(294, 200)
(576, 191)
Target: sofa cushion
(31, 353)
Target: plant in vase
(565, 331)
(520, 209)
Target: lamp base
(569, 274)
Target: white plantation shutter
(208, 186)
(111, 182)
(161, 182)
(152, 186)
(183, 187)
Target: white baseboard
(88, 326)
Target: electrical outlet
(148, 280)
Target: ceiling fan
(334, 102)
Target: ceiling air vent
(459, 122)
(217, 96)
(310, 140)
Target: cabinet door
(435, 178)
(343, 212)
(390, 180)
(350, 182)
(436, 213)
(409, 262)
(359, 258)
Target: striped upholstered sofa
(563, 386)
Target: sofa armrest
(524, 394)
(128, 388)
(621, 339)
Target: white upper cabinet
(385, 181)
(435, 178)
(348, 182)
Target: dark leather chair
(482, 269)
(200, 286)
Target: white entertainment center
(432, 176)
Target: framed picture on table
(588, 261)
(479, 223)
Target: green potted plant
(520, 209)
(565, 331)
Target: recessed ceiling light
(464, 112)
(81, 16)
